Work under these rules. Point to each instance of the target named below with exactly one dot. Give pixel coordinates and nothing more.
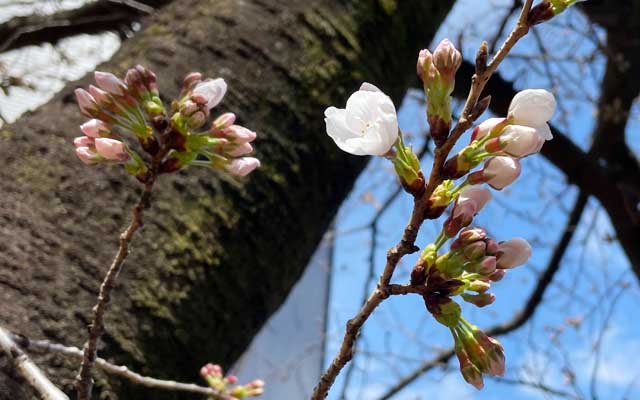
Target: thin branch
(32, 374)
(407, 243)
(94, 17)
(523, 316)
(83, 381)
(119, 370)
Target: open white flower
(367, 126)
(534, 108)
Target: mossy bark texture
(216, 257)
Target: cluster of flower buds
(477, 353)
(438, 73)
(501, 142)
(131, 108)
(467, 270)
(227, 385)
(548, 9)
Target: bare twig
(407, 243)
(83, 381)
(119, 370)
(33, 375)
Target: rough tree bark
(216, 257)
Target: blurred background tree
(203, 280)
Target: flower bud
(87, 156)
(101, 97)
(111, 149)
(499, 172)
(485, 128)
(425, 68)
(240, 150)
(224, 121)
(239, 134)
(492, 247)
(516, 141)
(513, 253)
(447, 60)
(471, 374)
(479, 300)
(83, 141)
(242, 166)
(86, 102)
(498, 275)
(467, 236)
(494, 351)
(95, 128)
(474, 251)
(110, 83)
(532, 107)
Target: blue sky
(402, 334)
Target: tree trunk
(216, 257)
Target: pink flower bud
(212, 89)
(192, 78)
(239, 134)
(498, 275)
(495, 360)
(532, 107)
(513, 253)
(95, 128)
(469, 371)
(516, 141)
(475, 250)
(224, 121)
(110, 83)
(111, 149)
(83, 141)
(499, 172)
(488, 265)
(447, 59)
(87, 156)
(425, 58)
(492, 247)
(240, 150)
(231, 379)
(101, 97)
(474, 194)
(255, 384)
(470, 235)
(485, 128)
(197, 119)
(215, 370)
(479, 300)
(86, 102)
(242, 166)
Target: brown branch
(535, 299)
(32, 374)
(84, 381)
(373, 226)
(407, 242)
(119, 370)
(94, 17)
